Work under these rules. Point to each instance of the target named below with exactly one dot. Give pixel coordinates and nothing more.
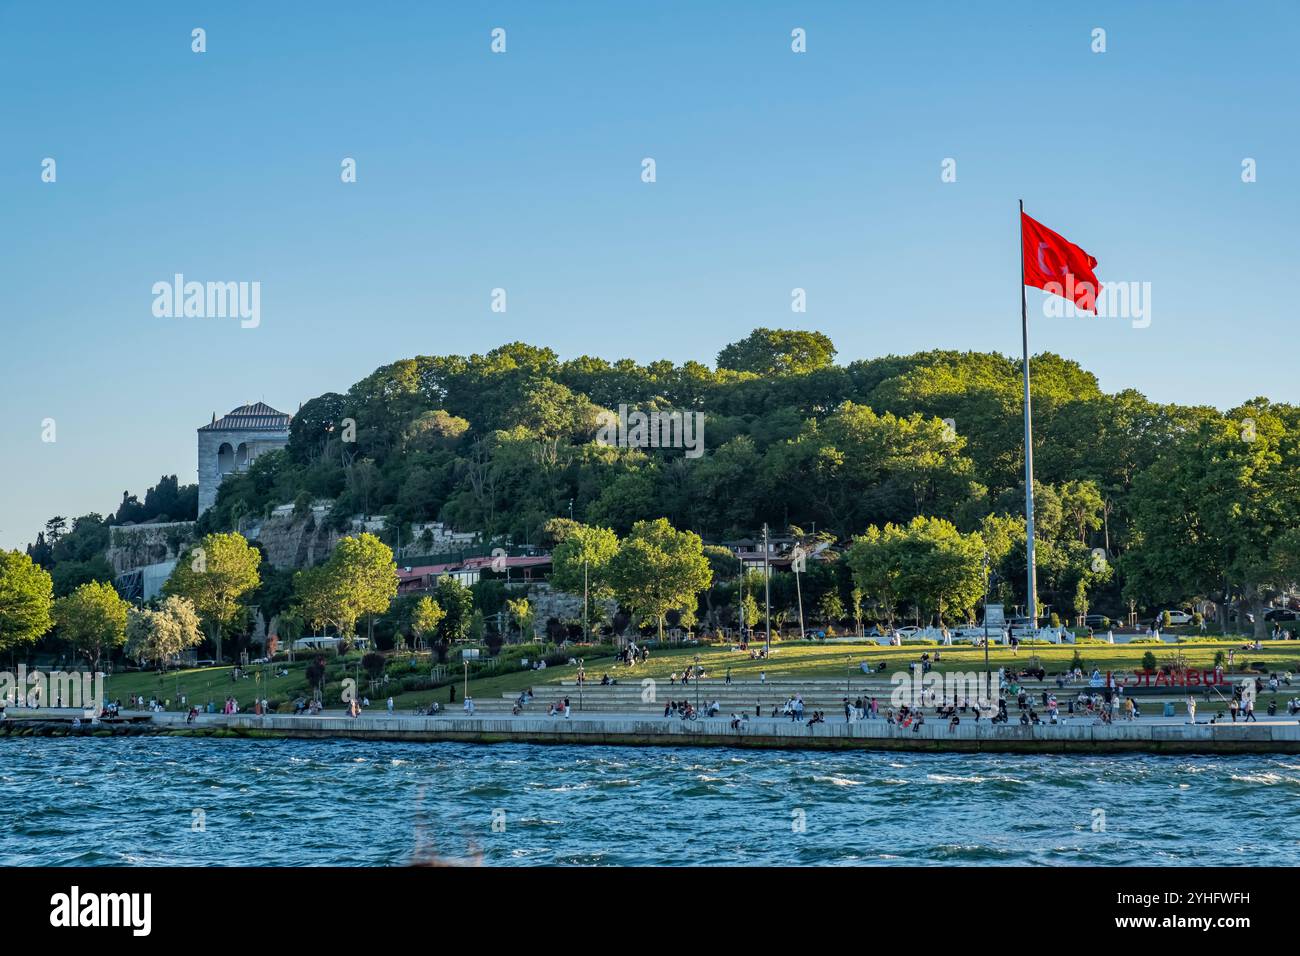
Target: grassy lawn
(789, 661)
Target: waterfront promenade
(1078, 734)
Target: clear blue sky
(522, 170)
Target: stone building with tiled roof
(232, 442)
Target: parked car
(1095, 620)
(1280, 614)
(1176, 618)
(909, 631)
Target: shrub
(1149, 661)
(316, 671)
(373, 664)
(1055, 619)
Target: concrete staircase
(632, 698)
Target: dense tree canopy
(26, 600)
(92, 619)
(214, 575)
(1160, 503)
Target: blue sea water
(183, 801)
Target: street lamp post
(697, 684)
(743, 637)
(767, 597)
(985, 565)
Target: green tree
(426, 616)
(747, 611)
(1217, 511)
(927, 561)
(778, 352)
(658, 569)
(831, 607)
(521, 614)
(855, 467)
(26, 600)
(93, 620)
(1082, 503)
(583, 557)
(320, 601)
(213, 575)
(160, 635)
(941, 567)
(874, 560)
(365, 566)
(360, 578)
(457, 602)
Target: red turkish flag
(1054, 264)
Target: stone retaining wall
(865, 735)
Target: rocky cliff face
(138, 545)
(548, 603)
(291, 541)
(294, 542)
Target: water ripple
(171, 802)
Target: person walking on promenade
(727, 680)
(566, 708)
(762, 678)
(390, 707)
(1250, 709)
(1191, 709)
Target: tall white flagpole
(1032, 575)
